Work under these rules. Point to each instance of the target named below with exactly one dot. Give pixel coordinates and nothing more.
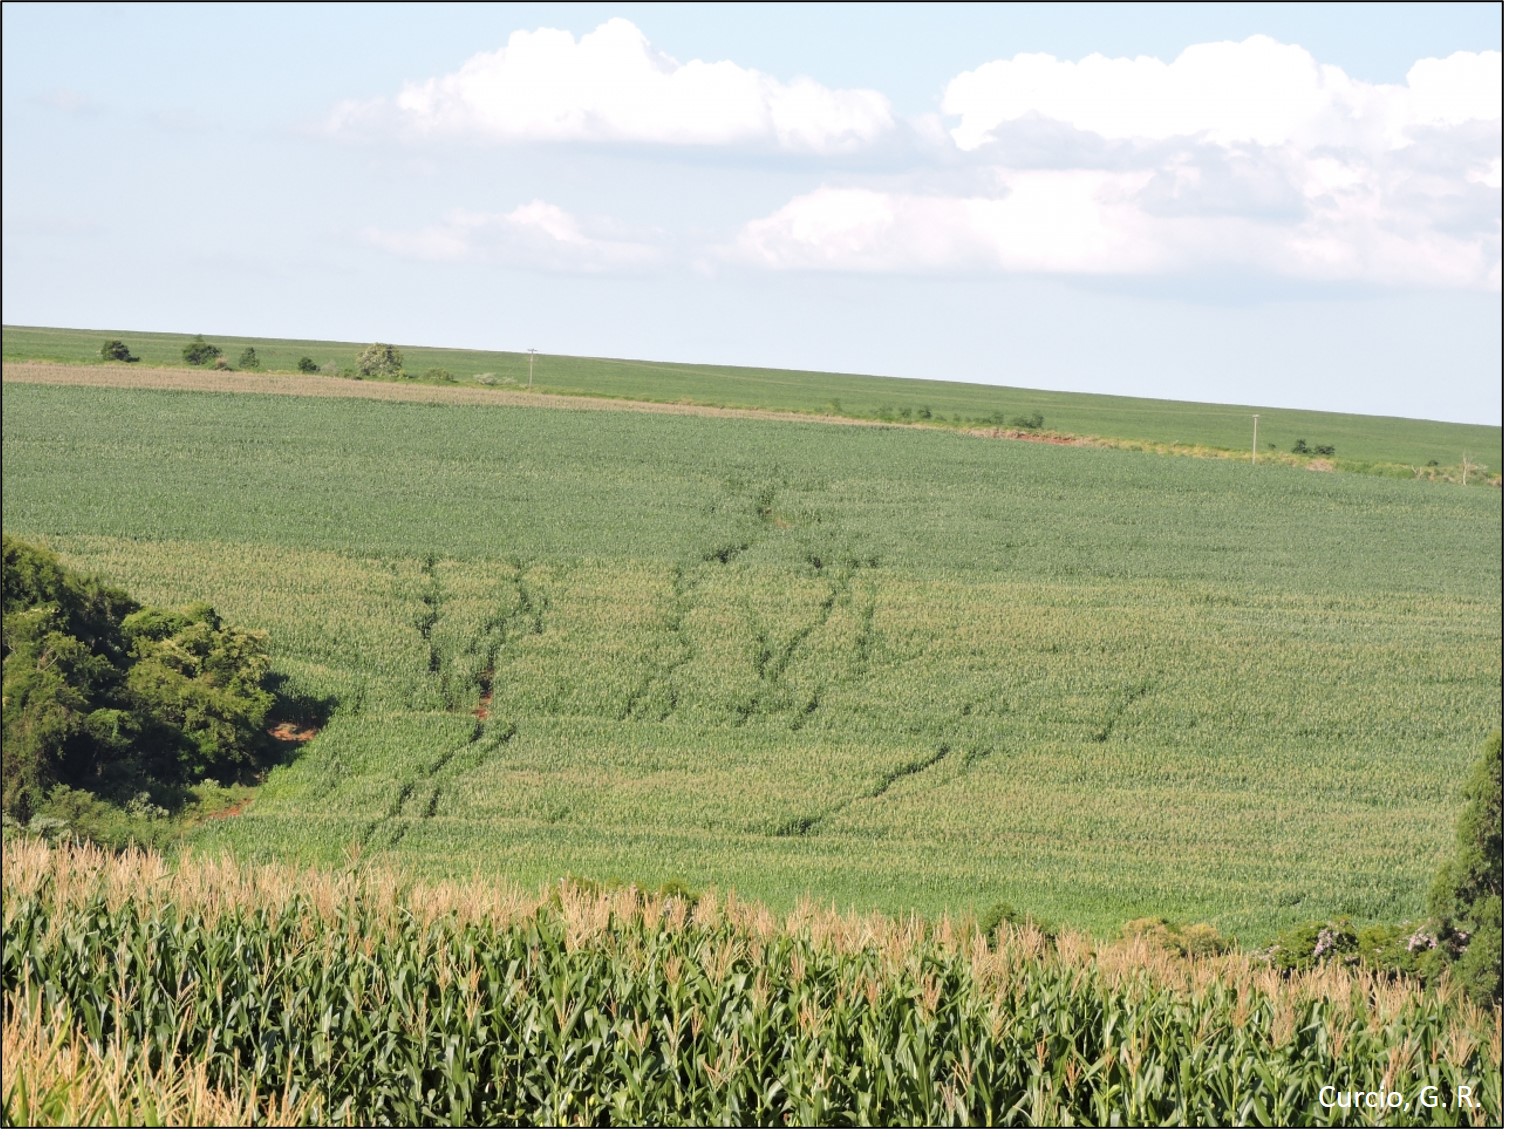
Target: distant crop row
(349, 998)
(1401, 443)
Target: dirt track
(331, 386)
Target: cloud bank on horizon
(1236, 159)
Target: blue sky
(1270, 204)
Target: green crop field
(1402, 447)
(892, 669)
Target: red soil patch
(230, 810)
(1051, 439)
(1027, 436)
(292, 732)
(483, 707)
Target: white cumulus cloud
(611, 85)
(1042, 221)
(1094, 222)
(1258, 91)
(1238, 157)
(537, 235)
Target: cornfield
(899, 670)
(217, 992)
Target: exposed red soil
(292, 732)
(230, 810)
(1027, 436)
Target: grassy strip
(330, 386)
(1362, 439)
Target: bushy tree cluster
(116, 351)
(1466, 901)
(380, 359)
(199, 353)
(1192, 941)
(1319, 450)
(115, 699)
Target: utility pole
(1255, 461)
(532, 351)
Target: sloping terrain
(890, 668)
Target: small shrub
(249, 360)
(995, 917)
(116, 351)
(1301, 447)
(1197, 941)
(678, 889)
(200, 353)
(1153, 929)
(437, 375)
(1192, 941)
(222, 364)
(307, 365)
(583, 886)
(142, 807)
(990, 923)
(1390, 949)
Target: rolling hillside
(893, 669)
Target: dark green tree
(1466, 901)
(116, 351)
(307, 365)
(249, 360)
(199, 353)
